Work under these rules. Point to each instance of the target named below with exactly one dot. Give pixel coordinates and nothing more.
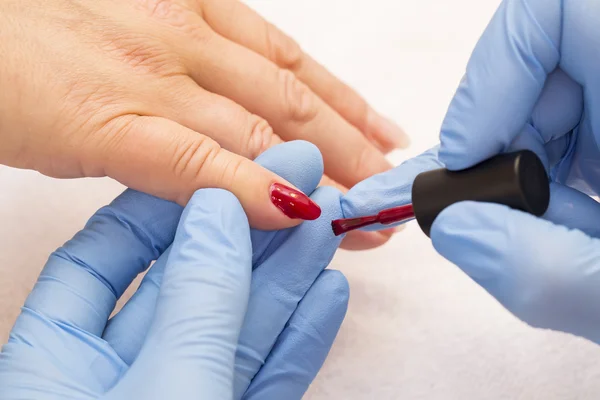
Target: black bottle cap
(517, 180)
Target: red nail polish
(294, 203)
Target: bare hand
(171, 96)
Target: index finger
(504, 78)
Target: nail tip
(316, 216)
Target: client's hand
(169, 96)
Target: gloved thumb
(190, 348)
(548, 275)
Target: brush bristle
(341, 226)
(337, 226)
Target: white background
(416, 327)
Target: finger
(299, 163)
(305, 342)
(284, 274)
(163, 158)
(274, 289)
(219, 118)
(290, 107)
(545, 274)
(559, 107)
(239, 23)
(504, 79)
(190, 348)
(573, 209)
(126, 332)
(359, 240)
(389, 189)
(287, 167)
(362, 240)
(82, 280)
(556, 113)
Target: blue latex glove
(197, 327)
(532, 82)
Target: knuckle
(203, 163)
(147, 50)
(182, 16)
(192, 158)
(299, 102)
(158, 8)
(282, 49)
(197, 34)
(259, 136)
(231, 169)
(142, 53)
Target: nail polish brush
(517, 180)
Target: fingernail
(387, 132)
(293, 203)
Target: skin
(169, 96)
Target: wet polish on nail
(293, 203)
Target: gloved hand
(532, 82)
(197, 327)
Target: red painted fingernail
(294, 203)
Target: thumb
(190, 348)
(162, 158)
(546, 274)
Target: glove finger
(559, 107)
(302, 347)
(190, 348)
(388, 189)
(573, 209)
(83, 279)
(279, 283)
(301, 164)
(126, 332)
(504, 79)
(548, 275)
(298, 162)
(556, 113)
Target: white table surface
(416, 327)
